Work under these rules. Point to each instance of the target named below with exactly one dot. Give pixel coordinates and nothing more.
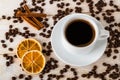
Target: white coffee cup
(100, 33)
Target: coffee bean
(15, 21)
(38, 2)
(68, 78)
(114, 75)
(74, 0)
(49, 79)
(61, 76)
(5, 55)
(14, 78)
(15, 56)
(43, 4)
(32, 35)
(27, 31)
(95, 75)
(54, 76)
(95, 67)
(49, 31)
(78, 3)
(11, 39)
(67, 66)
(29, 76)
(41, 76)
(64, 70)
(75, 73)
(105, 64)
(61, 71)
(8, 18)
(3, 17)
(97, 18)
(51, 2)
(21, 76)
(26, 36)
(8, 57)
(44, 44)
(84, 75)
(7, 64)
(10, 26)
(88, 1)
(72, 69)
(67, 4)
(114, 57)
(10, 49)
(25, 28)
(116, 51)
(4, 45)
(109, 54)
(2, 41)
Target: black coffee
(80, 33)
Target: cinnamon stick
(34, 19)
(30, 14)
(31, 22)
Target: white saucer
(78, 59)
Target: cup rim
(86, 18)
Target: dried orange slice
(33, 62)
(27, 45)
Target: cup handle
(104, 34)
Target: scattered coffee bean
(116, 51)
(74, 0)
(15, 21)
(78, 3)
(27, 78)
(25, 28)
(21, 76)
(44, 44)
(30, 77)
(72, 69)
(5, 55)
(97, 18)
(114, 75)
(84, 75)
(15, 56)
(14, 78)
(114, 57)
(3, 17)
(67, 66)
(43, 4)
(8, 18)
(32, 35)
(41, 76)
(7, 64)
(10, 26)
(67, 4)
(2, 41)
(10, 49)
(11, 39)
(4, 45)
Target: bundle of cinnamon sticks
(30, 17)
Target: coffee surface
(80, 33)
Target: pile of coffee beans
(51, 64)
(12, 33)
(9, 59)
(113, 40)
(47, 48)
(112, 70)
(22, 76)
